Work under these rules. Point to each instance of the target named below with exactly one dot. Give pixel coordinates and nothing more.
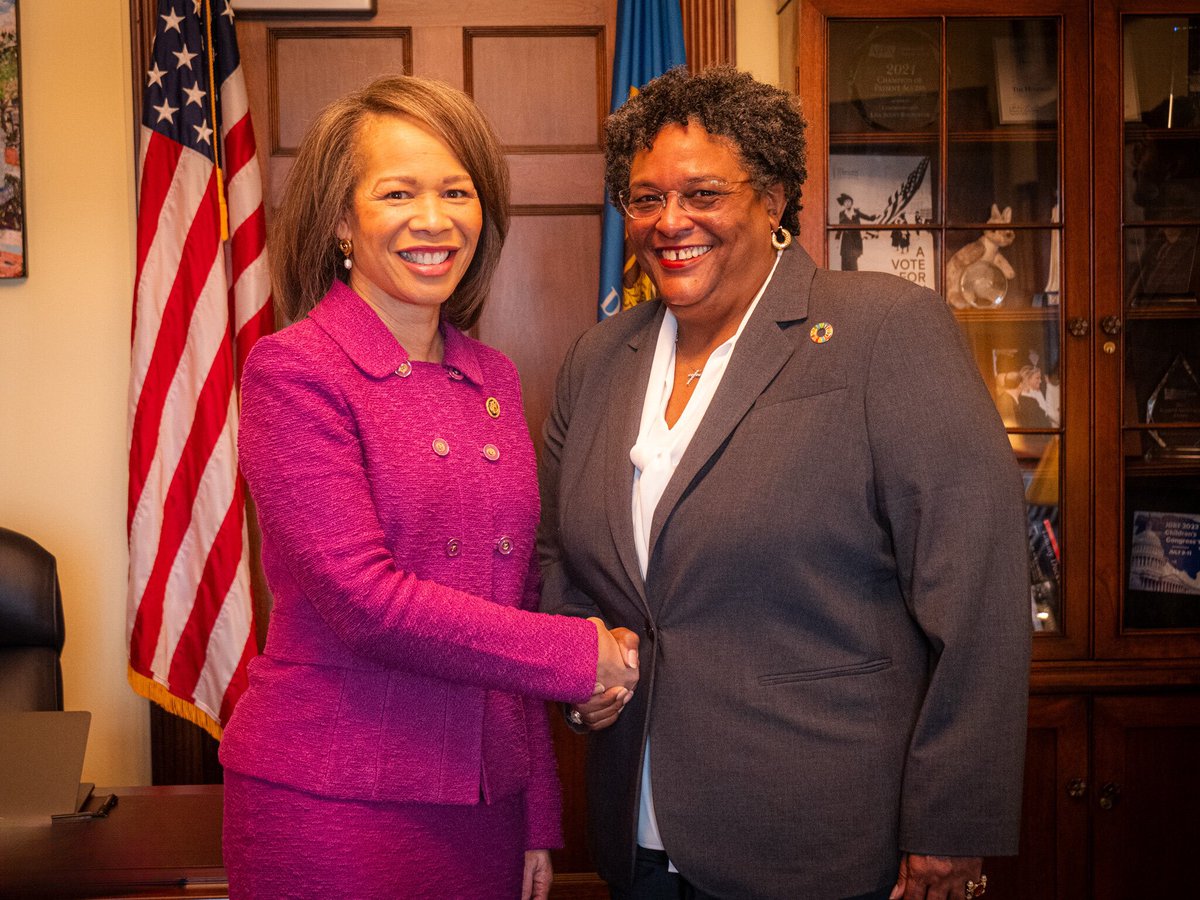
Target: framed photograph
(1162, 556)
(1164, 570)
(1026, 83)
(892, 194)
(297, 8)
(1165, 553)
(13, 262)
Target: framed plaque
(896, 79)
(1166, 552)
(1163, 565)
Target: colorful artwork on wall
(13, 261)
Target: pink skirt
(283, 843)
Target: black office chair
(31, 626)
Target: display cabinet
(1147, 204)
(1038, 165)
(952, 150)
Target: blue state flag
(649, 42)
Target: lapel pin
(821, 332)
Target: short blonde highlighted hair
(320, 189)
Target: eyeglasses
(644, 203)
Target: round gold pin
(493, 407)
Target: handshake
(616, 677)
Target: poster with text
(880, 203)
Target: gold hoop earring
(781, 238)
(347, 249)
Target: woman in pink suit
(393, 741)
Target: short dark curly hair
(763, 122)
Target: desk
(158, 842)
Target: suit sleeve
(951, 495)
(300, 453)
(559, 594)
(543, 793)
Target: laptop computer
(41, 759)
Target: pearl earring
(347, 248)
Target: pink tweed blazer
(398, 504)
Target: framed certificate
(1026, 84)
(255, 8)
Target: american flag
(902, 195)
(200, 302)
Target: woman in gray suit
(827, 573)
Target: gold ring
(977, 888)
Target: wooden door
(1052, 862)
(1144, 795)
(540, 72)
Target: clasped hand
(616, 676)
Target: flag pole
(212, 104)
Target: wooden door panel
(543, 88)
(308, 68)
(1145, 752)
(1052, 862)
(550, 262)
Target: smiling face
(415, 219)
(707, 266)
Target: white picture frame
(1025, 95)
(297, 8)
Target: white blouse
(655, 455)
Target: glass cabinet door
(1151, 335)
(945, 139)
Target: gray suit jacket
(835, 621)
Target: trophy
(1176, 399)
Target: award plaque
(1176, 399)
(896, 79)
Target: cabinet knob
(1109, 795)
(1076, 788)
(1111, 325)
(1078, 326)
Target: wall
(64, 354)
(758, 39)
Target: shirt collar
(362, 335)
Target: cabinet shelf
(1169, 312)
(1003, 136)
(997, 316)
(1161, 468)
(1137, 132)
(905, 139)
